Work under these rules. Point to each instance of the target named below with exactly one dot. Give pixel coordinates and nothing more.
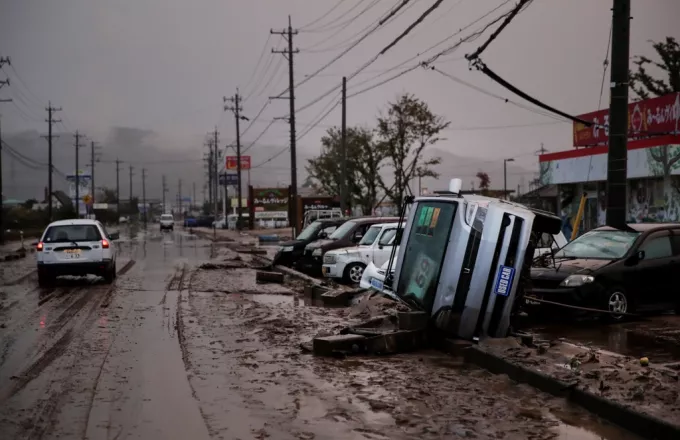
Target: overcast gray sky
(164, 66)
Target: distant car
(205, 221)
(76, 247)
(167, 222)
(190, 222)
(620, 271)
(123, 219)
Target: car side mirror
(114, 236)
(322, 235)
(640, 255)
(635, 258)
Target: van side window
(657, 247)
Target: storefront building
(653, 168)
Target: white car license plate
(73, 253)
(376, 283)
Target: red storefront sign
(649, 117)
(232, 163)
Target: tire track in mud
(51, 349)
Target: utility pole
(5, 82)
(77, 136)
(209, 158)
(130, 202)
(215, 159)
(118, 189)
(92, 161)
(291, 96)
(146, 211)
(50, 120)
(343, 187)
(193, 200)
(618, 116)
(164, 190)
(179, 197)
(239, 191)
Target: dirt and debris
(653, 389)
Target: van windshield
(425, 251)
(310, 231)
(166, 217)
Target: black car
(621, 271)
(290, 251)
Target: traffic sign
(87, 199)
(232, 162)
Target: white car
(375, 247)
(167, 222)
(374, 275)
(76, 247)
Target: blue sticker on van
(504, 280)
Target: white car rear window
(166, 217)
(69, 233)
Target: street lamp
(505, 177)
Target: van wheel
(354, 272)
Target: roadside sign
(228, 179)
(87, 199)
(100, 206)
(232, 163)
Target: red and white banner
(649, 117)
(232, 163)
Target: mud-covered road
(179, 350)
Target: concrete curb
(639, 423)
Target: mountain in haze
(141, 148)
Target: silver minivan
(464, 259)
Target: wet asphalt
(171, 352)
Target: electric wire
(326, 14)
(329, 27)
(259, 60)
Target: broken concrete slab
(399, 341)
(268, 277)
(331, 345)
(335, 298)
(413, 320)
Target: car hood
(563, 268)
(319, 244)
(294, 243)
(347, 250)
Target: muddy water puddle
(656, 339)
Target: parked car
(167, 222)
(205, 221)
(620, 271)
(348, 264)
(290, 251)
(374, 276)
(190, 222)
(76, 247)
(349, 234)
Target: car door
(654, 273)
(383, 246)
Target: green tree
(404, 132)
(644, 85)
(364, 161)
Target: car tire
(45, 280)
(353, 273)
(110, 275)
(616, 300)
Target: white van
(375, 248)
(464, 260)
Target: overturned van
(464, 260)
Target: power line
(259, 135)
(324, 15)
(326, 27)
(259, 60)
